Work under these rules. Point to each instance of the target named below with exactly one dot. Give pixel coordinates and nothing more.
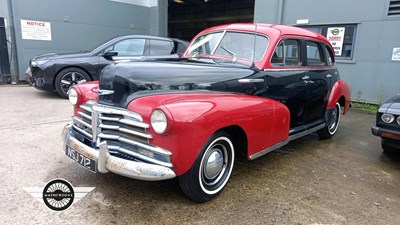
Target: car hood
(391, 106)
(52, 56)
(134, 79)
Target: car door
(285, 81)
(318, 79)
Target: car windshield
(235, 45)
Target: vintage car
(388, 125)
(239, 88)
(58, 72)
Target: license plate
(82, 160)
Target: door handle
(305, 77)
(247, 81)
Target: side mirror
(109, 55)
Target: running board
(282, 143)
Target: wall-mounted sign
(335, 36)
(36, 30)
(396, 54)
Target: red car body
(251, 111)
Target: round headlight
(34, 64)
(387, 118)
(398, 120)
(73, 96)
(159, 121)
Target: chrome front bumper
(108, 163)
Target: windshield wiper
(230, 53)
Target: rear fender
(340, 89)
(196, 117)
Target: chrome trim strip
(84, 115)
(139, 156)
(282, 143)
(126, 121)
(83, 132)
(111, 110)
(95, 130)
(104, 92)
(124, 130)
(268, 150)
(87, 108)
(79, 120)
(304, 133)
(246, 81)
(148, 147)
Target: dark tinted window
(158, 47)
(130, 47)
(287, 53)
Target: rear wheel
(331, 128)
(68, 77)
(211, 170)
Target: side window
(287, 53)
(130, 47)
(329, 56)
(179, 48)
(314, 54)
(158, 47)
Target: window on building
(287, 53)
(341, 37)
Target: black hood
(133, 79)
(62, 55)
(391, 106)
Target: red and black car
(248, 88)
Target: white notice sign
(335, 36)
(35, 30)
(396, 54)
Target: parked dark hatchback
(388, 124)
(59, 72)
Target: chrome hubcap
(214, 164)
(70, 79)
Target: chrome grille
(123, 130)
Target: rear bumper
(108, 163)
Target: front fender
(196, 117)
(86, 91)
(340, 89)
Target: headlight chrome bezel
(159, 121)
(387, 118)
(398, 120)
(73, 96)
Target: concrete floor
(343, 180)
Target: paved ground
(344, 180)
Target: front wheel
(331, 128)
(211, 170)
(68, 77)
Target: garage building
(365, 33)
